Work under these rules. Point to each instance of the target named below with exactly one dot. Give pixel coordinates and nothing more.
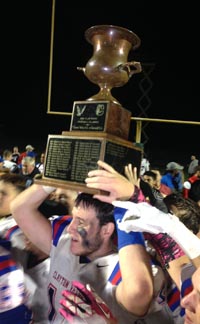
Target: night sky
(169, 40)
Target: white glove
(143, 217)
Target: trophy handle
(81, 69)
(127, 67)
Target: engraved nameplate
(89, 116)
(100, 116)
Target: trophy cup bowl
(109, 66)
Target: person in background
(193, 164)
(31, 263)
(28, 168)
(7, 160)
(173, 177)
(156, 198)
(65, 197)
(194, 192)
(164, 189)
(187, 184)
(186, 209)
(191, 302)
(15, 154)
(40, 165)
(14, 306)
(58, 203)
(10, 186)
(149, 184)
(145, 166)
(13, 295)
(29, 151)
(189, 213)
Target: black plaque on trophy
(89, 116)
(100, 116)
(71, 156)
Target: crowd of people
(130, 253)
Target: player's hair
(187, 210)
(18, 181)
(104, 211)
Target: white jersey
(5, 224)
(34, 278)
(40, 302)
(103, 275)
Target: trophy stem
(104, 94)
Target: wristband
(124, 238)
(165, 246)
(188, 241)
(48, 189)
(137, 196)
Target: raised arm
(145, 218)
(135, 292)
(35, 226)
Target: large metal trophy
(100, 125)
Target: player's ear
(108, 228)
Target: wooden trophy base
(70, 156)
(101, 116)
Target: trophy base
(101, 116)
(68, 185)
(70, 156)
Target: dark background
(169, 40)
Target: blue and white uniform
(13, 294)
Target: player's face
(7, 194)
(65, 197)
(86, 233)
(191, 302)
(149, 180)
